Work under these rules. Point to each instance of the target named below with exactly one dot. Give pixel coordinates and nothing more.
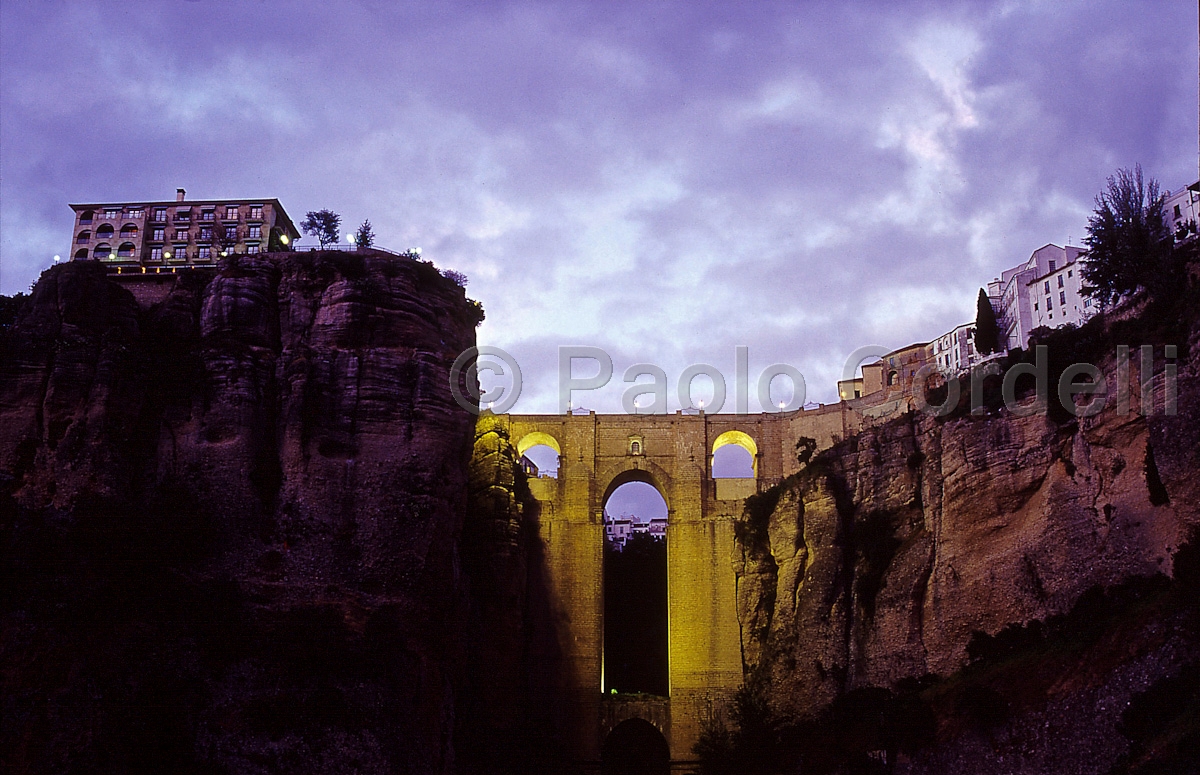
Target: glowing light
(167, 254)
(350, 238)
(57, 259)
(283, 238)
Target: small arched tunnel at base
(635, 747)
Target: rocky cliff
(230, 522)
(884, 557)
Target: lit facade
(178, 232)
(1182, 212)
(1030, 295)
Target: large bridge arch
(647, 472)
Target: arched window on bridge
(734, 465)
(635, 589)
(539, 455)
(635, 746)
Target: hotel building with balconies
(179, 233)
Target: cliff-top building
(1046, 290)
(179, 232)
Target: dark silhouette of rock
(229, 523)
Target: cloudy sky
(662, 180)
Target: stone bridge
(673, 453)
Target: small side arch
(535, 438)
(741, 439)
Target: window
(1060, 281)
(207, 215)
(86, 216)
(252, 249)
(180, 253)
(1035, 306)
(126, 250)
(129, 231)
(135, 212)
(1087, 303)
(256, 212)
(231, 212)
(83, 237)
(158, 235)
(1177, 213)
(1051, 266)
(255, 232)
(156, 254)
(231, 233)
(1070, 273)
(206, 233)
(112, 215)
(1047, 286)
(160, 214)
(1062, 298)
(80, 254)
(205, 254)
(635, 447)
(1049, 304)
(183, 215)
(181, 234)
(103, 251)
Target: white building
(1182, 211)
(1057, 300)
(620, 529)
(954, 351)
(1030, 295)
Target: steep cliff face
(230, 522)
(880, 559)
(506, 713)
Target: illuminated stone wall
(673, 453)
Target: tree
(364, 237)
(324, 225)
(222, 242)
(987, 333)
(1129, 245)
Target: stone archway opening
(734, 465)
(635, 747)
(539, 454)
(635, 588)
